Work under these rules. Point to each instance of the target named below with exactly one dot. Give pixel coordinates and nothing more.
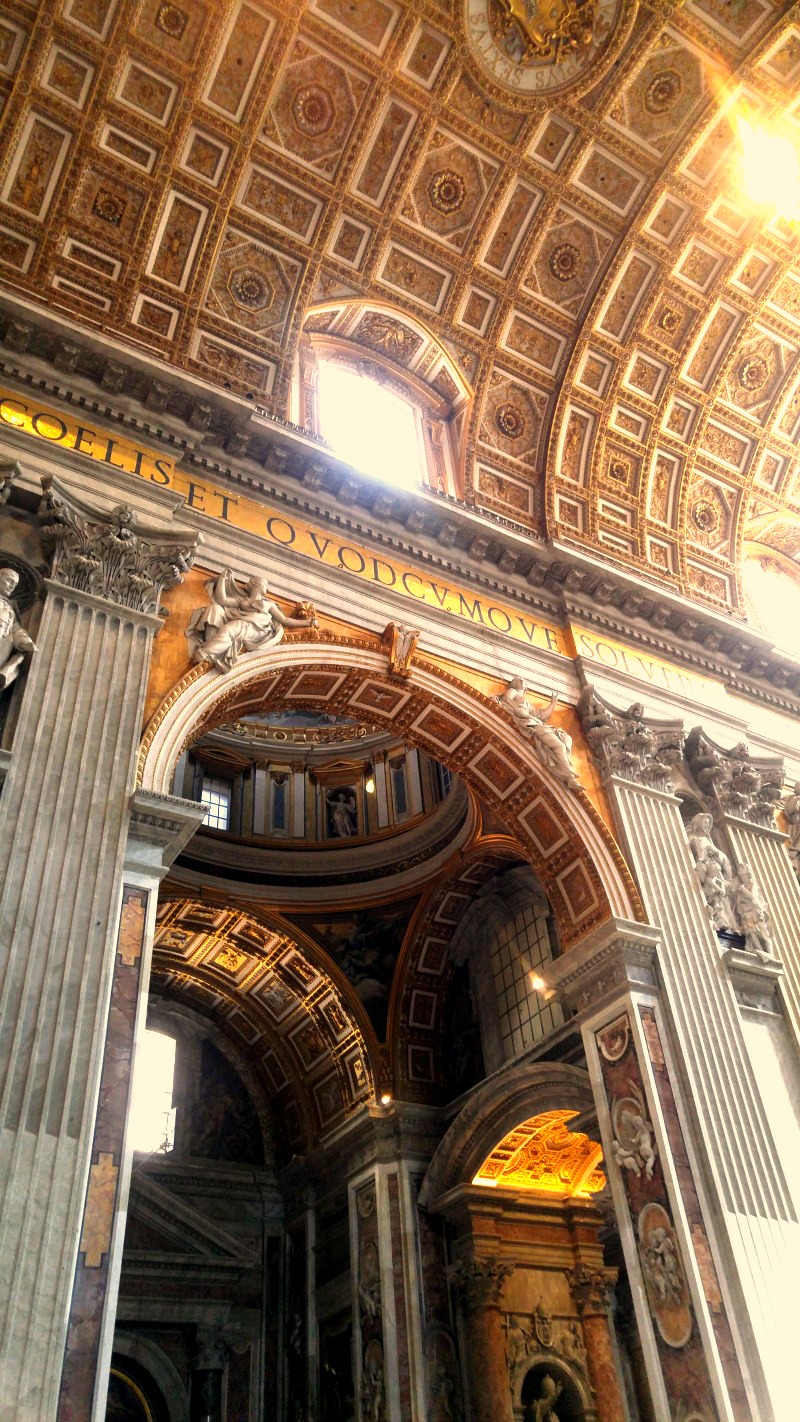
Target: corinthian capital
(109, 554)
(479, 1281)
(591, 1288)
(733, 781)
(627, 745)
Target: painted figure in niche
(14, 640)
(342, 813)
(751, 913)
(553, 746)
(239, 619)
(713, 870)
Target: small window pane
(216, 795)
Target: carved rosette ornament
(109, 555)
(733, 781)
(479, 1282)
(627, 746)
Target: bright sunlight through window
(774, 596)
(152, 1119)
(770, 169)
(369, 425)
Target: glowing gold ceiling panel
(544, 1156)
(194, 177)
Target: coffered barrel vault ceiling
(200, 179)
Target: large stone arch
(281, 1001)
(497, 1106)
(571, 848)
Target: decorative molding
(108, 555)
(160, 827)
(614, 959)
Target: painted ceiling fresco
(555, 202)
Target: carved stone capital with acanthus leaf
(591, 1288)
(110, 555)
(733, 782)
(628, 745)
(479, 1282)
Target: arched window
(772, 590)
(385, 394)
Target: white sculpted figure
(637, 1150)
(14, 640)
(238, 620)
(713, 871)
(752, 915)
(552, 745)
(791, 809)
(544, 1408)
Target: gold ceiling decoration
(193, 178)
(544, 1156)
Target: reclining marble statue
(14, 640)
(239, 619)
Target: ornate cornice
(627, 745)
(109, 555)
(613, 960)
(733, 782)
(217, 435)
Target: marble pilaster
(683, 1322)
(478, 1282)
(590, 1288)
(64, 825)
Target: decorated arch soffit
(542, 1155)
(550, 189)
(305, 1034)
(579, 863)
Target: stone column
(479, 1283)
(590, 1289)
(205, 1398)
(64, 823)
(740, 1191)
(684, 1325)
(159, 827)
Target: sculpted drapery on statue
(553, 746)
(239, 619)
(14, 640)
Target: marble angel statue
(14, 640)
(553, 746)
(239, 619)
